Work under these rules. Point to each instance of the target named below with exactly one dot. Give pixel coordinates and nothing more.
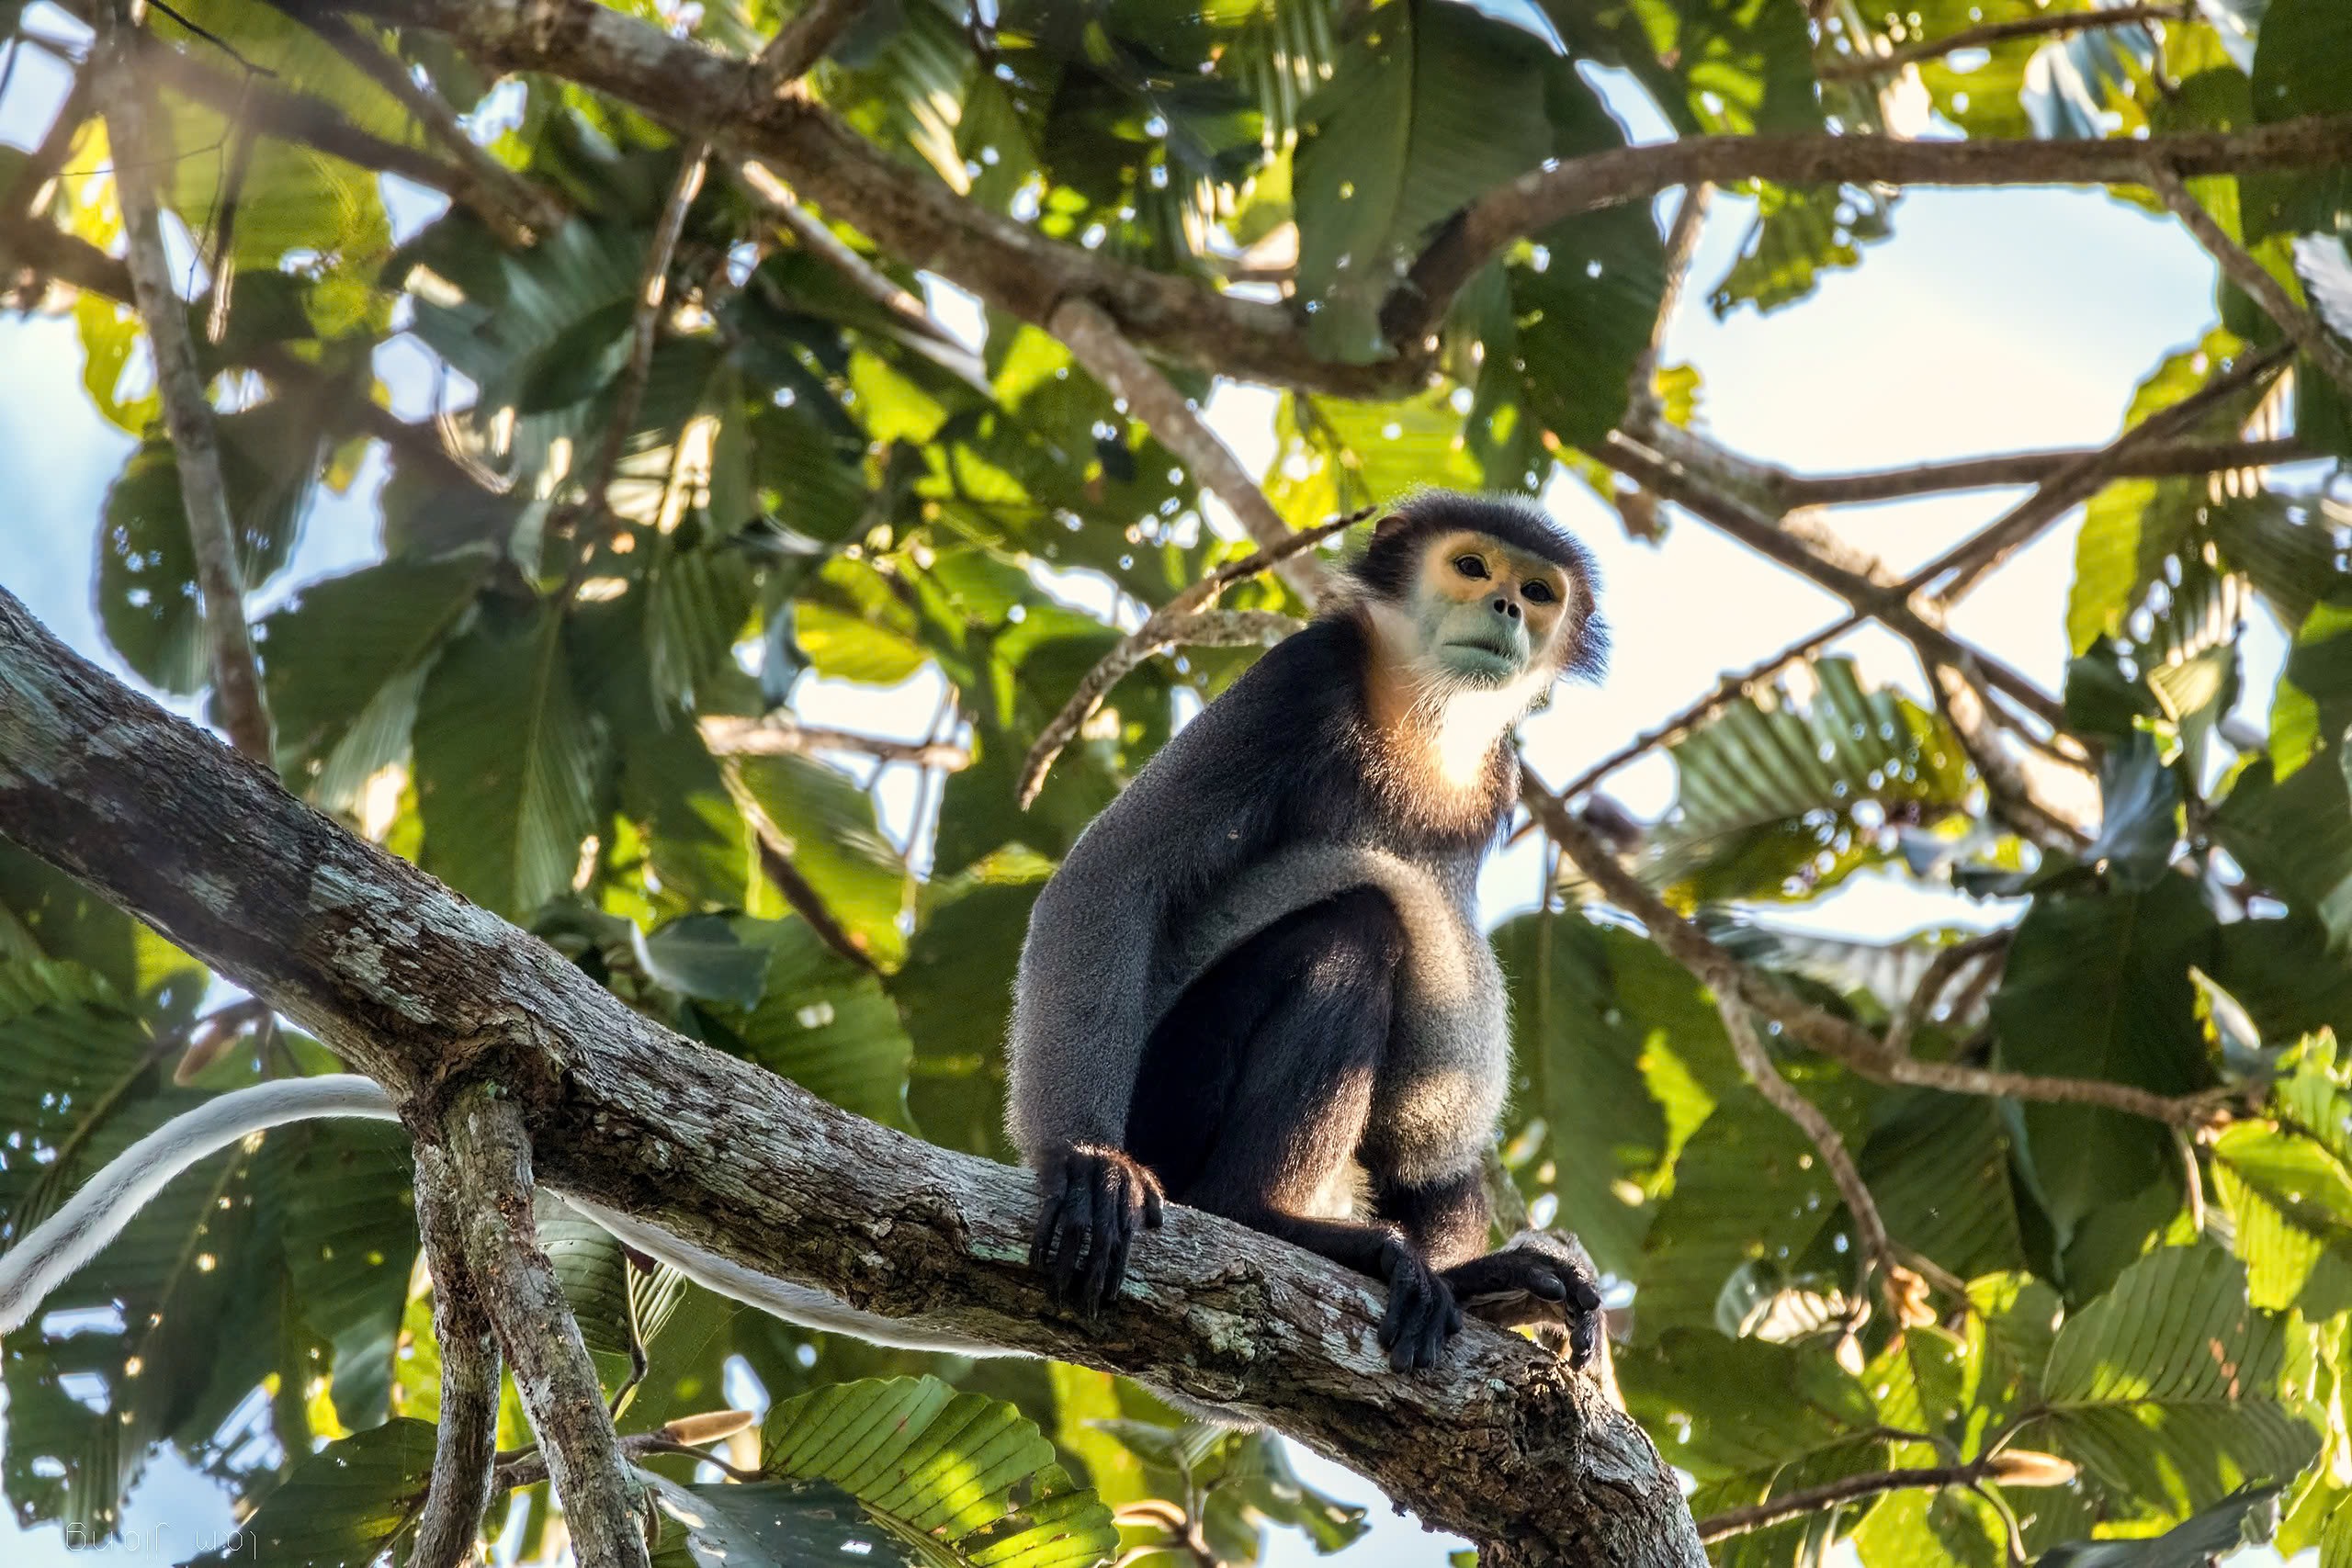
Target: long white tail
(41, 1261)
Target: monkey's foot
(1542, 1278)
(1422, 1315)
(1092, 1200)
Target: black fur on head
(1389, 563)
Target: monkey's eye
(1538, 591)
(1470, 566)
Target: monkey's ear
(1389, 523)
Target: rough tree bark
(430, 995)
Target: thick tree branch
(1540, 198)
(2239, 267)
(482, 1159)
(414, 986)
(466, 1439)
(1817, 1028)
(1092, 338)
(798, 45)
(122, 96)
(1846, 67)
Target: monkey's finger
(1131, 1218)
(1584, 1339)
(1071, 1239)
(1452, 1316)
(1438, 1329)
(1548, 1286)
(1413, 1349)
(1051, 1192)
(1584, 1294)
(1107, 1242)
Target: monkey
(1256, 984)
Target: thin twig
(123, 94)
(1162, 628)
(775, 861)
(1681, 246)
(466, 1438)
(40, 165)
(2240, 267)
(798, 46)
(1817, 1028)
(1971, 561)
(1877, 1259)
(1093, 339)
(1846, 67)
(629, 388)
(2141, 461)
(1814, 1499)
(1942, 970)
(485, 1157)
(528, 210)
(776, 199)
(780, 734)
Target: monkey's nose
(1506, 608)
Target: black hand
(1540, 1279)
(1421, 1314)
(1092, 1200)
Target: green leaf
(825, 1024)
(344, 1193)
(2294, 838)
(702, 956)
(2245, 1517)
(827, 826)
(2097, 986)
(343, 1506)
(1431, 104)
(2299, 70)
(509, 766)
(1939, 1166)
(1777, 799)
(1800, 232)
(932, 1465)
(347, 659)
(2292, 1202)
(955, 992)
(1742, 66)
(2166, 1389)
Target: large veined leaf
(1798, 233)
(959, 1478)
(343, 1195)
(1939, 1166)
(1778, 799)
(508, 764)
(2291, 1199)
(1785, 1403)
(2245, 1517)
(146, 588)
(826, 824)
(1431, 104)
(2293, 836)
(2166, 1389)
(2097, 986)
(1588, 1004)
(1742, 66)
(825, 1024)
(343, 1506)
(347, 659)
(955, 991)
(2297, 70)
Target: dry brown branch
(1681, 246)
(776, 199)
(1817, 1028)
(798, 45)
(1093, 339)
(1845, 1489)
(1946, 967)
(1162, 629)
(780, 734)
(1968, 563)
(1889, 604)
(122, 96)
(1846, 67)
(466, 1441)
(526, 209)
(2142, 460)
(2240, 267)
(42, 164)
(482, 1159)
(1538, 199)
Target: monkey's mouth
(1500, 652)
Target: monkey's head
(1479, 593)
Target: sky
(1991, 322)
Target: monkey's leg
(1256, 1090)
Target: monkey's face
(1485, 613)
